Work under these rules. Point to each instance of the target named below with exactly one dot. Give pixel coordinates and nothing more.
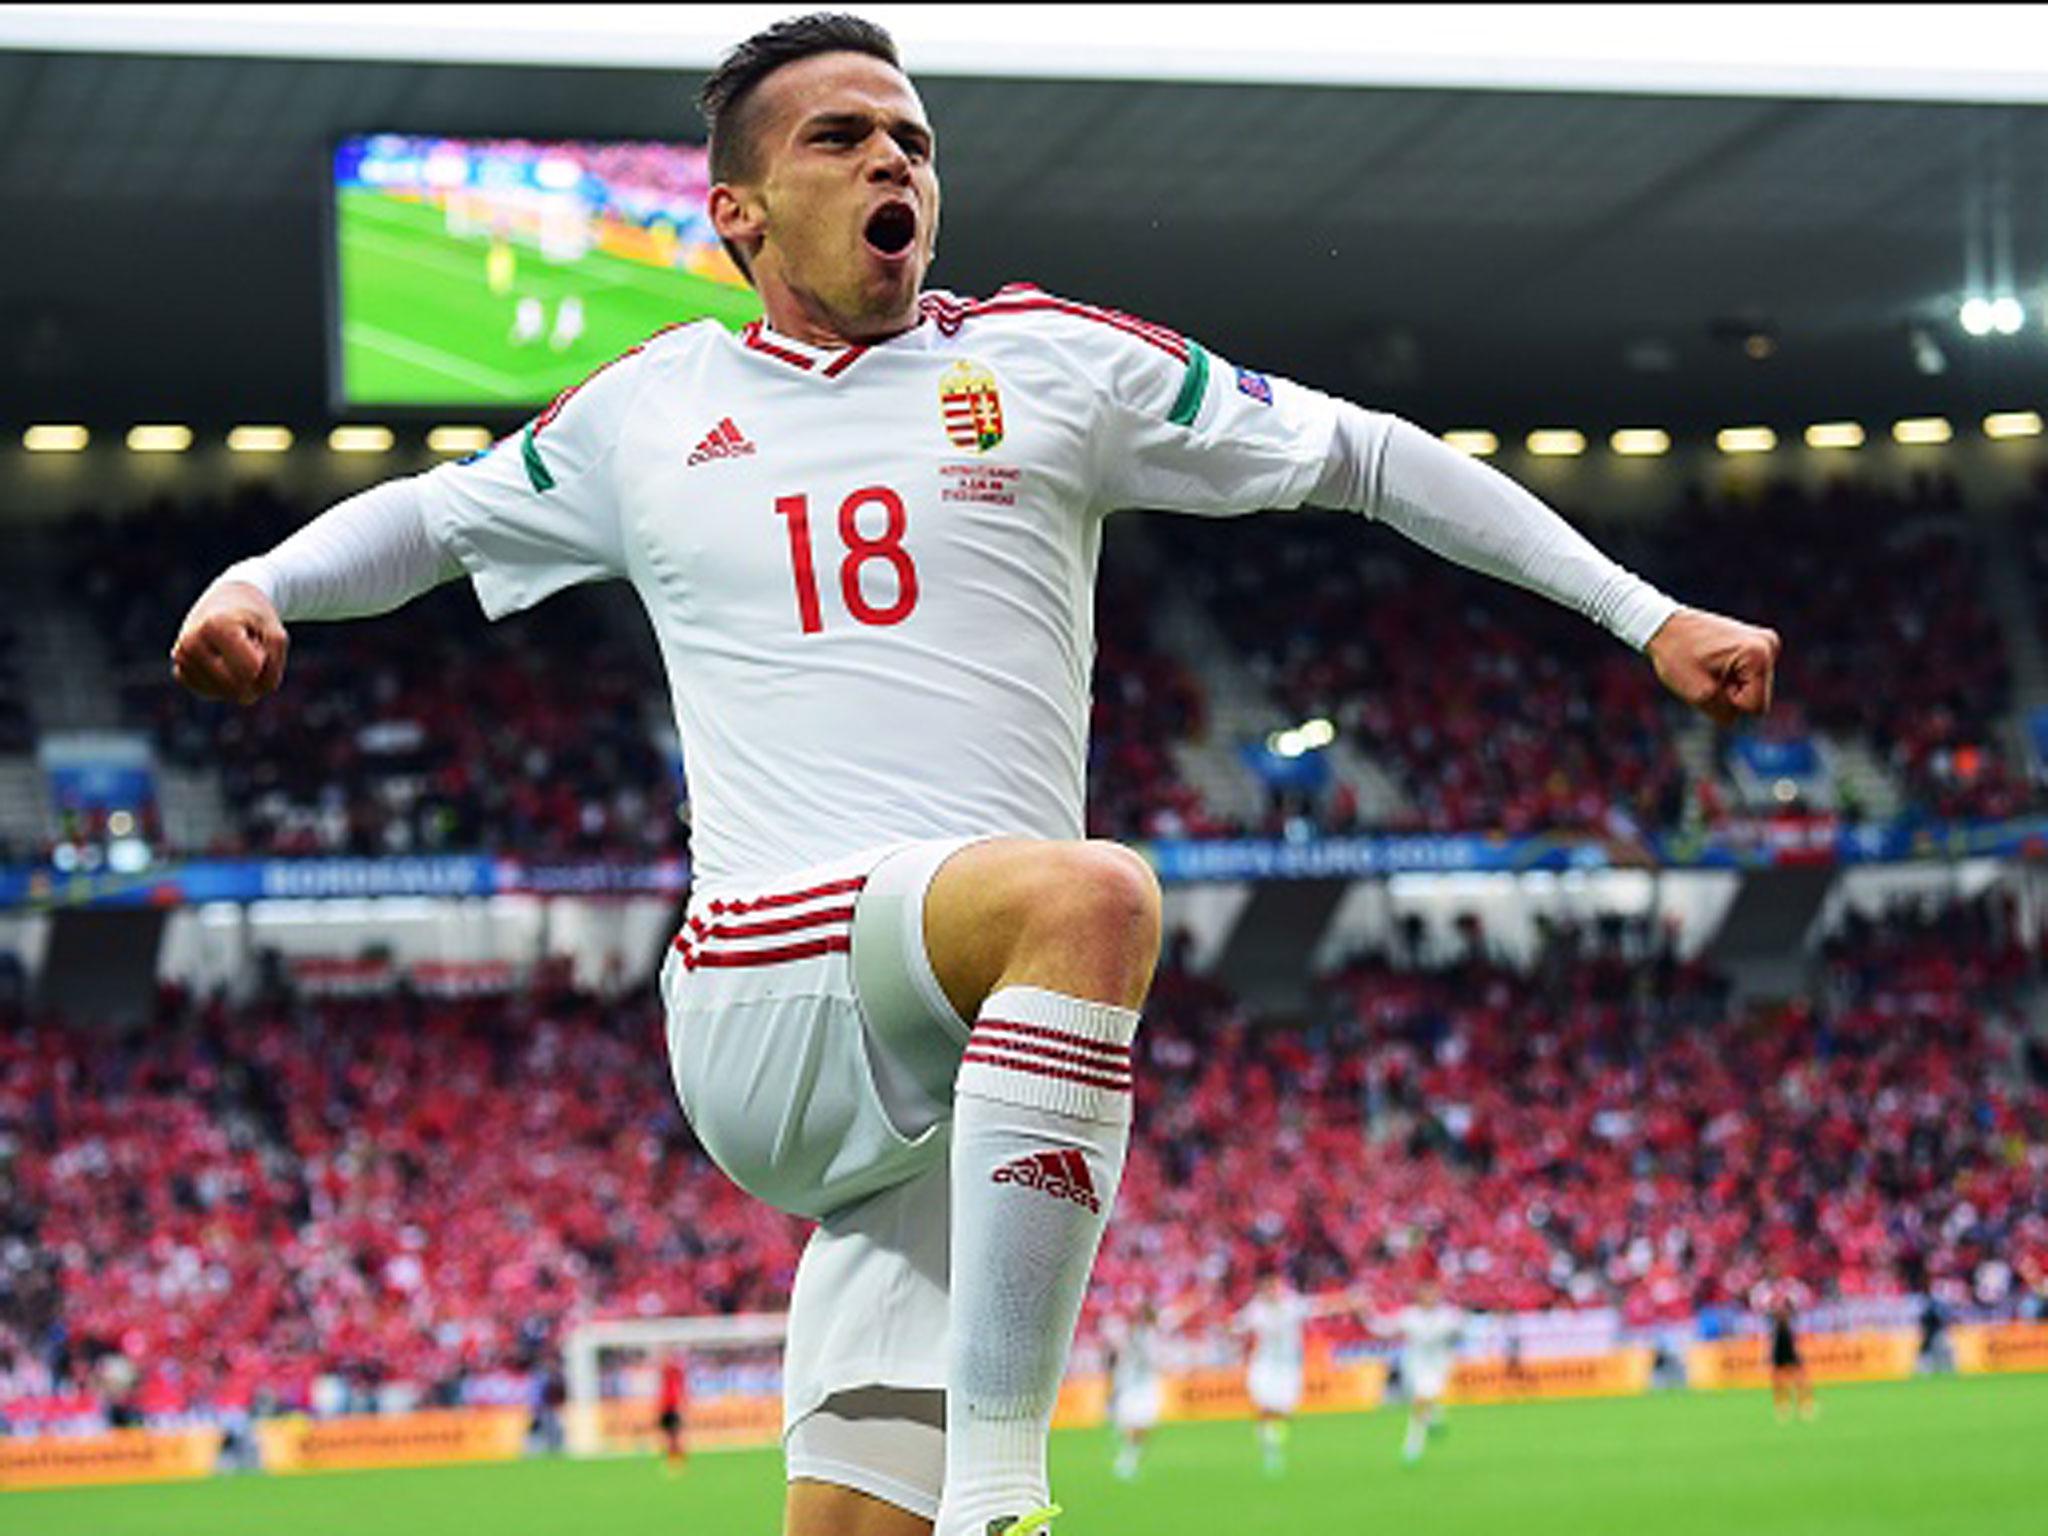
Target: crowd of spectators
(241, 1201)
(421, 731)
(1498, 710)
(1492, 709)
(1603, 1129)
(1889, 636)
(1495, 710)
(232, 1204)
(1145, 701)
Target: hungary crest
(970, 407)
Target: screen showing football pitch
(501, 271)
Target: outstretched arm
(1339, 1304)
(366, 555)
(1472, 514)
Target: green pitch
(420, 325)
(1911, 1459)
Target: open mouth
(891, 228)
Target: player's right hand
(232, 645)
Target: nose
(889, 163)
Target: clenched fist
(1722, 667)
(232, 645)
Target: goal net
(612, 1379)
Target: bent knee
(1076, 917)
(1097, 887)
(1092, 913)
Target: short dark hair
(724, 98)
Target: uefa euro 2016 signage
(1759, 844)
(325, 879)
(1351, 858)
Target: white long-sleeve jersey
(871, 570)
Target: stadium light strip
(159, 438)
(360, 440)
(1985, 53)
(1745, 440)
(1640, 442)
(1922, 431)
(259, 439)
(53, 437)
(1835, 434)
(458, 439)
(1478, 442)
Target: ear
(737, 215)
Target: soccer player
(1136, 1391)
(568, 329)
(1791, 1383)
(1429, 1332)
(529, 320)
(865, 531)
(1276, 1318)
(673, 1408)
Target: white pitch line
(420, 353)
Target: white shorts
(815, 1054)
(1274, 1388)
(1428, 1381)
(1137, 1406)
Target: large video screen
(501, 271)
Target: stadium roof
(1493, 257)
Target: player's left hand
(1722, 667)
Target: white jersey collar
(825, 362)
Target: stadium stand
(1866, 576)
(430, 730)
(400, 1199)
(1525, 718)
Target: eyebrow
(901, 125)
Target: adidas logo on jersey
(724, 441)
(1063, 1175)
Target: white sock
(1418, 1437)
(1041, 1116)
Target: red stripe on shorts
(771, 926)
(789, 898)
(736, 959)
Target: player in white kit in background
(865, 533)
(1277, 1319)
(1137, 1389)
(1430, 1332)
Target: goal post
(611, 1374)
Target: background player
(1136, 1390)
(673, 1412)
(1779, 1300)
(905, 997)
(1277, 1319)
(1430, 1332)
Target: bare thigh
(826, 1509)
